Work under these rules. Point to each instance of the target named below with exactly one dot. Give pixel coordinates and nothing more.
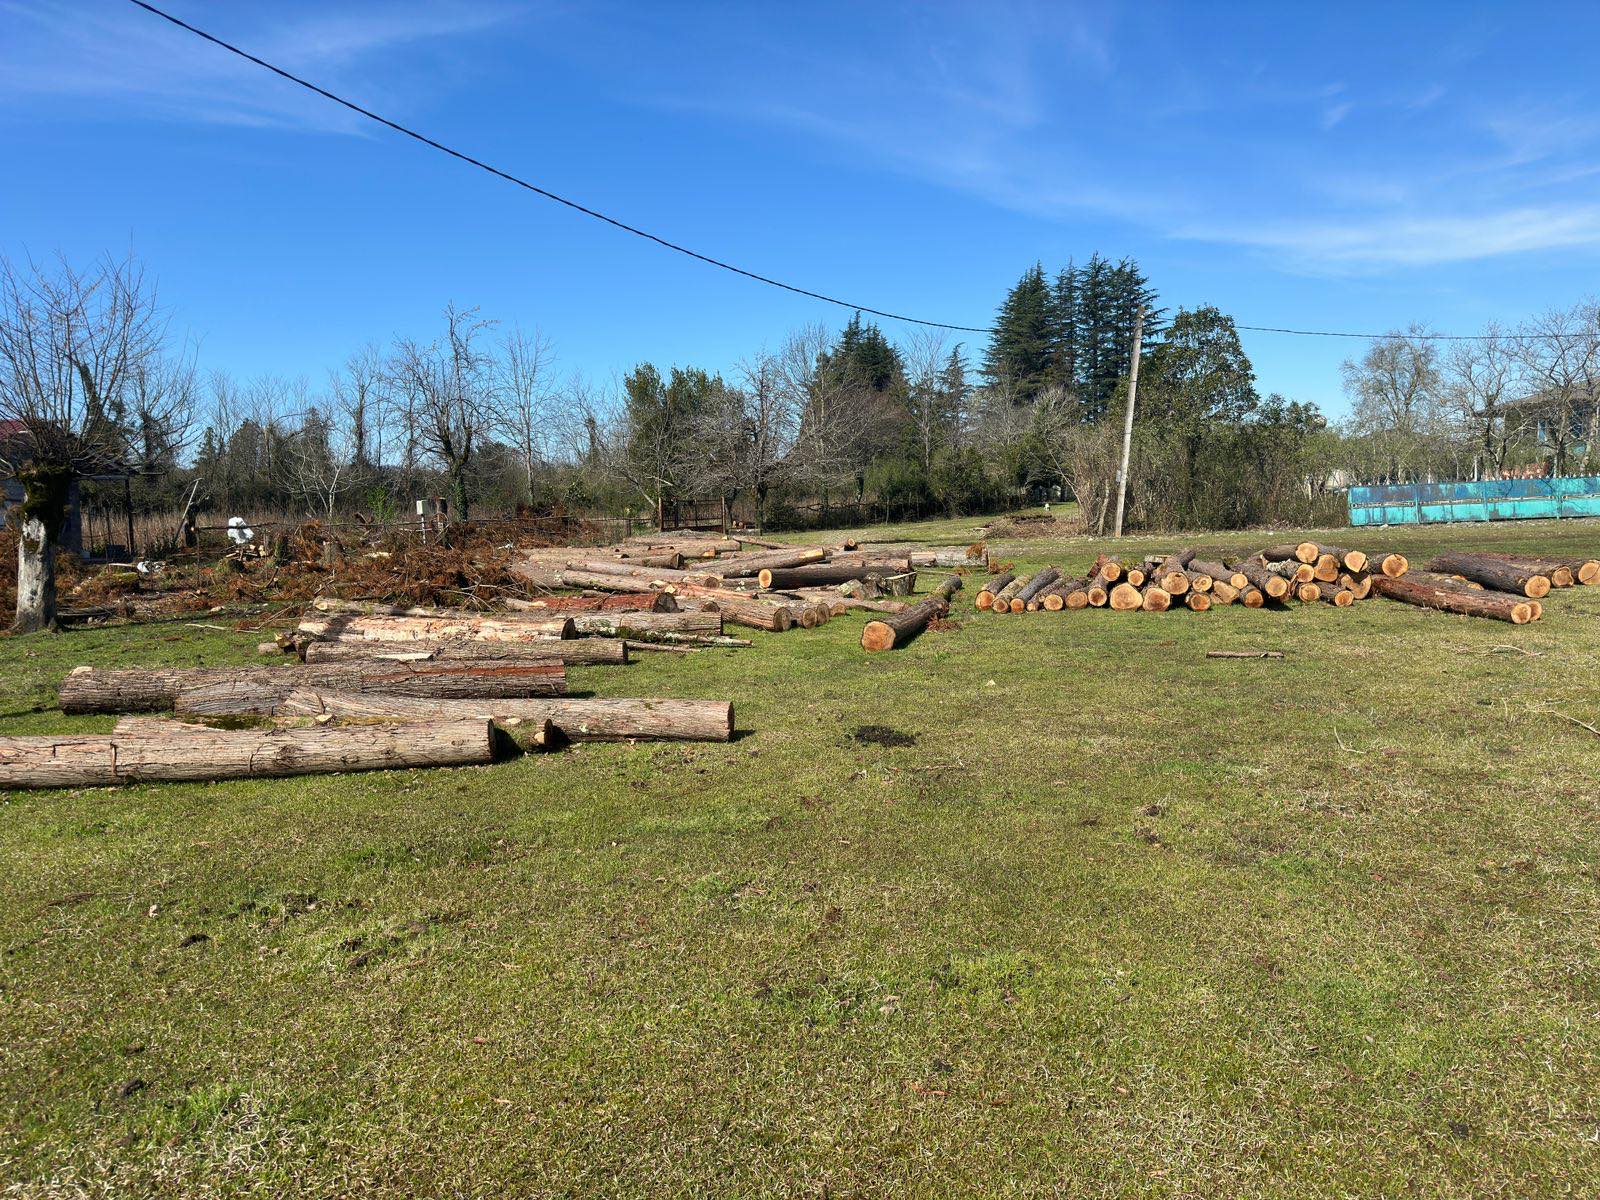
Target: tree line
(824, 426)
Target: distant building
(1542, 416)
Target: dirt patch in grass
(1033, 525)
(883, 735)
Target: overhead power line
(675, 246)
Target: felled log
(890, 632)
(1493, 573)
(754, 564)
(1134, 576)
(1308, 592)
(597, 573)
(645, 625)
(1105, 568)
(1171, 574)
(1339, 597)
(670, 560)
(1028, 595)
(1253, 597)
(1580, 570)
(1269, 583)
(189, 752)
(1224, 592)
(1360, 585)
(585, 651)
(821, 575)
(1003, 598)
(1392, 565)
(1325, 569)
(98, 689)
(1199, 581)
(1155, 598)
(992, 587)
(1066, 594)
(1305, 552)
(486, 627)
(1219, 573)
(1197, 601)
(617, 602)
(577, 720)
(1124, 597)
(1494, 605)
(1294, 571)
(876, 564)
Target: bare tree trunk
(44, 508)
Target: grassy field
(1121, 921)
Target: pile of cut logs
(1504, 587)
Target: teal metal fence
(1490, 500)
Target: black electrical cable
(695, 254)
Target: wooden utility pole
(1127, 422)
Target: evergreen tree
(863, 356)
(1019, 352)
(1063, 369)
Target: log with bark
(1028, 596)
(1124, 597)
(1325, 569)
(1269, 583)
(1390, 564)
(1308, 592)
(1339, 597)
(992, 587)
(1217, 571)
(670, 560)
(577, 720)
(1224, 592)
(1199, 581)
(190, 752)
(1305, 552)
(749, 565)
(1493, 573)
(1494, 605)
(645, 625)
(1171, 574)
(750, 609)
(821, 575)
(484, 627)
(585, 651)
(1066, 594)
(617, 602)
(876, 564)
(620, 576)
(1197, 601)
(1105, 568)
(891, 632)
(1253, 597)
(1360, 584)
(1584, 571)
(1003, 598)
(1155, 598)
(99, 689)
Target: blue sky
(1348, 167)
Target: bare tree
(525, 399)
(71, 345)
(831, 420)
(1479, 379)
(1396, 391)
(747, 434)
(447, 387)
(358, 400)
(1561, 353)
(322, 462)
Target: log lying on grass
(1273, 586)
(1305, 552)
(1493, 605)
(96, 689)
(576, 720)
(197, 752)
(991, 588)
(615, 577)
(501, 627)
(617, 602)
(643, 625)
(1392, 565)
(783, 578)
(753, 564)
(1124, 597)
(1218, 573)
(1493, 573)
(588, 651)
(1004, 597)
(1339, 597)
(751, 611)
(891, 631)
(1155, 598)
(1585, 571)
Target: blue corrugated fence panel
(1489, 500)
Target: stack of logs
(1503, 587)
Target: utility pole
(1127, 422)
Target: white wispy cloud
(128, 62)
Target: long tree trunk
(586, 651)
(578, 720)
(44, 507)
(1496, 605)
(1493, 573)
(499, 627)
(97, 689)
(897, 630)
(198, 752)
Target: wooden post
(1127, 423)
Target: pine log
(577, 720)
(497, 627)
(891, 632)
(617, 602)
(1351, 560)
(821, 575)
(1125, 597)
(747, 565)
(188, 752)
(669, 560)
(1493, 573)
(1155, 598)
(992, 587)
(1494, 605)
(1036, 585)
(586, 651)
(1339, 597)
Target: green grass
(1124, 921)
